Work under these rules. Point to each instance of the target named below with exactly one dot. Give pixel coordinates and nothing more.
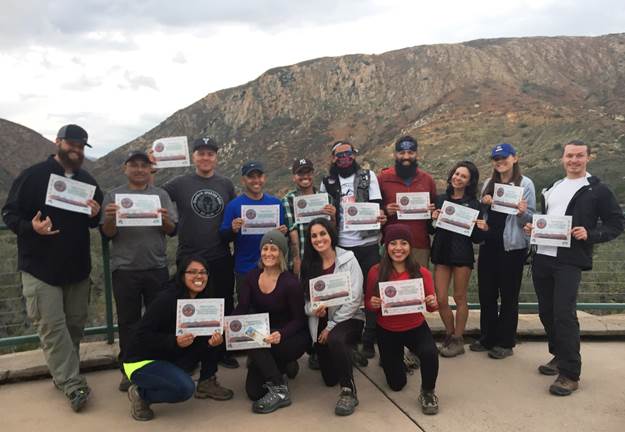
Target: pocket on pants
(29, 291)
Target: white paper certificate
(402, 297)
(200, 317)
(309, 207)
(551, 230)
(506, 198)
(457, 218)
(330, 290)
(413, 205)
(361, 217)
(68, 194)
(258, 219)
(138, 210)
(247, 331)
(171, 152)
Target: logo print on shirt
(207, 203)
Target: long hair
(386, 267)
(495, 177)
(182, 268)
(471, 190)
(312, 265)
(282, 264)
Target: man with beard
(405, 176)
(348, 183)
(55, 260)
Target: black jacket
(58, 259)
(592, 203)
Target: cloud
(135, 82)
(84, 83)
(179, 58)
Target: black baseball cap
(138, 154)
(206, 142)
(72, 132)
(251, 166)
(302, 164)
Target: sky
(119, 68)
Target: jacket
(345, 262)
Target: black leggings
(419, 340)
(335, 359)
(268, 364)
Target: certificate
(247, 331)
(330, 290)
(506, 198)
(413, 205)
(402, 297)
(361, 217)
(457, 218)
(68, 194)
(309, 207)
(258, 219)
(171, 152)
(138, 210)
(551, 230)
(200, 317)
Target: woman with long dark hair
(395, 332)
(502, 257)
(158, 362)
(335, 329)
(452, 255)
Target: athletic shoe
(277, 396)
(429, 402)
(347, 402)
(78, 398)
(455, 347)
(500, 353)
(478, 347)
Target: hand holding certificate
(247, 331)
(506, 198)
(551, 230)
(413, 205)
(361, 217)
(309, 207)
(171, 152)
(402, 297)
(200, 317)
(330, 290)
(68, 194)
(457, 218)
(258, 219)
(138, 210)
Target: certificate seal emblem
(319, 286)
(302, 204)
(159, 147)
(390, 291)
(450, 210)
(235, 325)
(541, 223)
(188, 310)
(352, 211)
(404, 200)
(127, 203)
(250, 214)
(499, 192)
(60, 186)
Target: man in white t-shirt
(556, 271)
(349, 183)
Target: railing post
(108, 290)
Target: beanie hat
(397, 232)
(277, 238)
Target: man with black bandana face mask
(405, 176)
(348, 183)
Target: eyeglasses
(343, 154)
(196, 272)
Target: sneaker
(229, 362)
(455, 347)
(478, 347)
(124, 384)
(313, 361)
(411, 361)
(277, 396)
(139, 409)
(368, 351)
(500, 353)
(429, 402)
(210, 388)
(563, 386)
(292, 368)
(358, 358)
(550, 368)
(78, 398)
(347, 402)
(445, 345)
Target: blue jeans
(162, 381)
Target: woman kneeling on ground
(394, 332)
(159, 363)
(335, 329)
(276, 291)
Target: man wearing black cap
(200, 199)
(139, 255)
(54, 259)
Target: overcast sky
(118, 68)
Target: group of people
(270, 272)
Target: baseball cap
(302, 164)
(138, 154)
(503, 150)
(249, 167)
(72, 132)
(206, 142)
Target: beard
(73, 164)
(406, 171)
(344, 171)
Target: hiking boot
(124, 384)
(313, 361)
(277, 396)
(78, 398)
(228, 361)
(210, 388)
(500, 353)
(347, 402)
(563, 386)
(443, 346)
(550, 368)
(139, 409)
(478, 347)
(455, 347)
(429, 402)
(368, 351)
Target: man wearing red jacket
(405, 176)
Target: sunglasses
(344, 154)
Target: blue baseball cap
(251, 166)
(503, 150)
